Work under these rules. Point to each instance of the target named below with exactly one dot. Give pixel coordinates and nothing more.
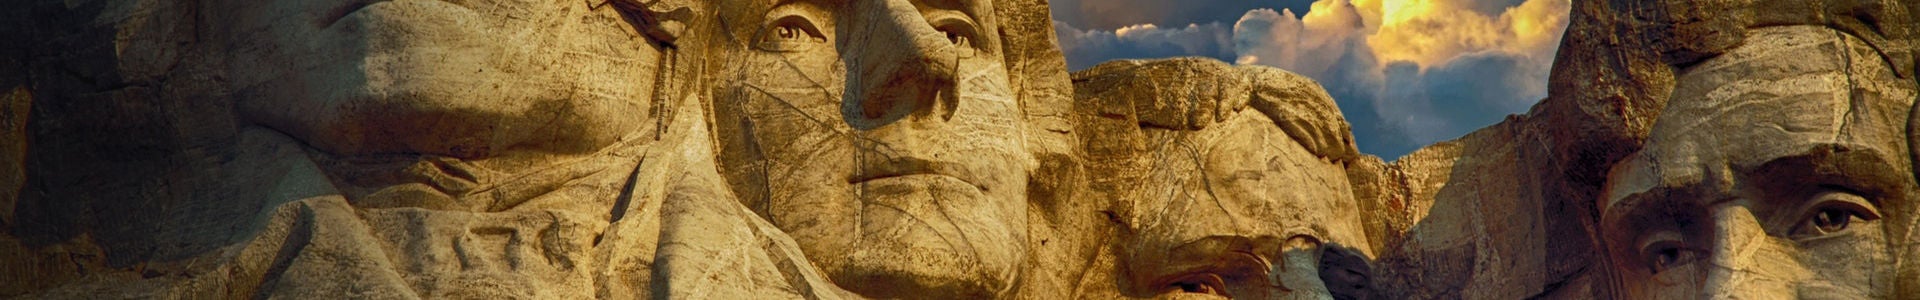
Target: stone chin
(929, 237)
(901, 280)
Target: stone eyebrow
(1659, 197)
(1630, 204)
(958, 5)
(1835, 165)
(821, 3)
(1658, 208)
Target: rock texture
(530, 150)
(888, 139)
(1816, 204)
(379, 150)
(1514, 210)
(922, 149)
(1225, 180)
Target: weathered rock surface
(912, 149)
(527, 150)
(1511, 211)
(1818, 203)
(897, 149)
(1461, 219)
(380, 150)
(1223, 180)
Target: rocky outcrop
(1216, 170)
(1514, 210)
(890, 149)
(304, 149)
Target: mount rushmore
(838, 149)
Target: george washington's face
(460, 78)
(882, 135)
(1776, 171)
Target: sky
(1406, 73)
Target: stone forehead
(1193, 93)
(1789, 69)
(1730, 111)
(1182, 156)
(1681, 32)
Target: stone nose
(900, 65)
(1298, 271)
(1742, 261)
(1346, 272)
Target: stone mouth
(912, 247)
(906, 167)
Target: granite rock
(922, 149)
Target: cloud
(1114, 14)
(1431, 32)
(1085, 48)
(1308, 45)
(1406, 73)
(1446, 101)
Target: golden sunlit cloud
(1432, 32)
(1405, 72)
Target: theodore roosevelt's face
(882, 135)
(1775, 171)
(1237, 210)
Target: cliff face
(1515, 210)
(882, 149)
(1469, 218)
(1243, 159)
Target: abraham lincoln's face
(1777, 170)
(883, 136)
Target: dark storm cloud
(1085, 48)
(1416, 107)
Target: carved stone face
(459, 78)
(882, 135)
(1777, 170)
(1238, 209)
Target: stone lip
(902, 166)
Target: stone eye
(1662, 259)
(790, 34)
(1831, 220)
(958, 40)
(1833, 213)
(1203, 283)
(962, 33)
(1665, 251)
